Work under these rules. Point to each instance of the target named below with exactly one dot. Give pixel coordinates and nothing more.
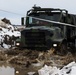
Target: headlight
(54, 45)
(17, 44)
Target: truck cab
(41, 30)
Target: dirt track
(32, 56)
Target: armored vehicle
(48, 28)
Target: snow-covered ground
(69, 69)
(7, 31)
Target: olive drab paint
(48, 27)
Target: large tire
(63, 48)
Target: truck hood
(40, 28)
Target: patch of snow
(17, 33)
(73, 70)
(69, 69)
(9, 31)
(6, 46)
(10, 27)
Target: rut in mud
(35, 59)
(34, 56)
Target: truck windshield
(52, 17)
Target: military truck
(48, 28)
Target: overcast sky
(22, 6)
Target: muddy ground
(33, 60)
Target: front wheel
(63, 49)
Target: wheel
(63, 49)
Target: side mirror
(22, 21)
